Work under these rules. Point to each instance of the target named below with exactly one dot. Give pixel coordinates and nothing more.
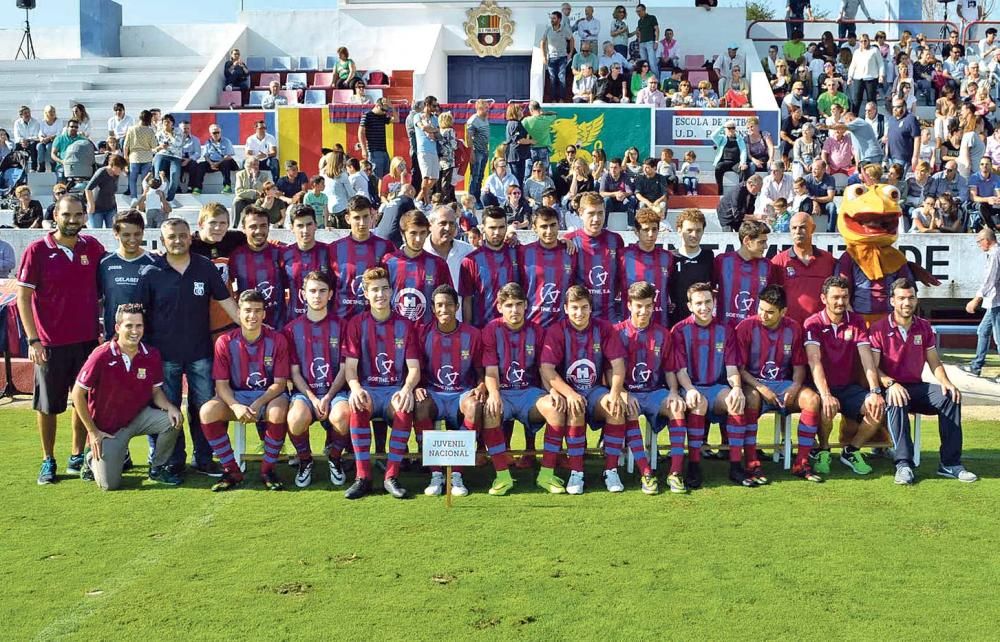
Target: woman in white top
(49, 128)
(83, 118)
(337, 187)
(619, 30)
(972, 149)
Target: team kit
(561, 335)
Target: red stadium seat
(694, 61)
(378, 78)
(322, 80)
(230, 100)
(266, 78)
(291, 95)
(342, 96)
(695, 77)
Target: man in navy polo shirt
(901, 343)
(176, 292)
(57, 303)
(113, 393)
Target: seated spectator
(651, 94)
(666, 167)
(235, 71)
(495, 190)
(48, 218)
(791, 130)
(390, 183)
(924, 218)
(706, 96)
(838, 152)
(153, 202)
(672, 83)
(615, 87)
(725, 63)
(782, 80)
(264, 147)
(989, 45)
(993, 149)
(273, 202)
(293, 184)
(651, 189)
(923, 75)
(567, 220)
(80, 115)
(984, 197)
(918, 188)
(273, 97)
(801, 199)
(949, 212)
(609, 58)
(6, 146)
(822, 191)
(61, 149)
(739, 205)
(584, 57)
(831, 96)
(536, 184)
(735, 89)
(49, 127)
(216, 156)
(517, 209)
(780, 216)
(27, 135)
(617, 191)
(359, 97)
(315, 198)
(668, 51)
(119, 123)
(27, 211)
(598, 165)
(777, 184)
(249, 186)
(112, 148)
(802, 75)
(580, 181)
(806, 150)
(683, 97)
(345, 73)
(950, 180)
(640, 75)
(585, 85)
(955, 68)
(730, 152)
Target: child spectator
(567, 221)
(316, 199)
(270, 201)
(467, 218)
(447, 144)
(801, 198)
(666, 166)
(153, 202)
(475, 237)
(780, 220)
(928, 148)
(689, 172)
(924, 218)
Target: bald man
(802, 268)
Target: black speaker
(25, 4)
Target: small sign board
(449, 448)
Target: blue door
(502, 79)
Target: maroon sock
(553, 445)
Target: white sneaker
(337, 476)
(957, 472)
(575, 484)
(305, 475)
(613, 481)
(458, 488)
(904, 475)
(436, 487)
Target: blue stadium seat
(299, 78)
(308, 63)
(331, 62)
(315, 97)
(256, 63)
(255, 98)
(281, 63)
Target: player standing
(649, 262)
(692, 262)
(354, 254)
(413, 272)
(488, 268)
(118, 275)
(578, 351)
(547, 269)
(257, 265)
(739, 276)
(251, 371)
(301, 257)
(316, 340)
(382, 366)
(598, 257)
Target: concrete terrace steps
(101, 65)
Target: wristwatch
(890, 383)
(32, 342)
(877, 390)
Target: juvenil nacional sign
(489, 29)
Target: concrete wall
(50, 42)
(204, 90)
(175, 40)
(100, 26)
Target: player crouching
(316, 340)
(578, 351)
(251, 372)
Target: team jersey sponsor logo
(641, 372)
(515, 373)
(598, 276)
(411, 303)
(447, 376)
(358, 286)
(549, 293)
(383, 363)
(769, 371)
(256, 380)
(266, 289)
(319, 369)
(743, 301)
(582, 373)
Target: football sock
(735, 430)
(576, 443)
(493, 438)
(750, 436)
(553, 445)
(633, 436)
(301, 443)
(274, 439)
(216, 432)
(338, 444)
(361, 443)
(399, 441)
(696, 436)
(614, 440)
(808, 427)
(677, 429)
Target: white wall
(204, 89)
(175, 40)
(50, 42)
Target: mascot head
(869, 215)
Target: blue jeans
(99, 219)
(831, 216)
(171, 165)
(200, 390)
(647, 52)
(989, 326)
(538, 154)
(135, 173)
(43, 154)
(555, 69)
(380, 161)
(478, 170)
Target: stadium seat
(281, 63)
(240, 444)
(299, 78)
(230, 99)
(307, 63)
(315, 97)
(331, 62)
(374, 93)
(783, 436)
(266, 78)
(322, 80)
(695, 77)
(256, 63)
(291, 95)
(377, 78)
(341, 96)
(256, 97)
(694, 61)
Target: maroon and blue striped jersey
(451, 360)
(349, 259)
(768, 354)
(251, 366)
(545, 274)
(705, 351)
(582, 356)
(261, 271)
(739, 283)
(381, 348)
(413, 280)
(482, 274)
(316, 350)
(296, 264)
(653, 267)
(514, 353)
(598, 268)
(649, 355)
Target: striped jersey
(295, 265)
(381, 348)
(349, 259)
(770, 355)
(581, 357)
(450, 360)
(739, 283)
(705, 351)
(249, 365)
(654, 267)
(649, 355)
(261, 271)
(316, 349)
(598, 266)
(514, 353)
(545, 274)
(482, 274)
(413, 280)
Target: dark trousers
(226, 167)
(416, 179)
(30, 146)
(989, 216)
(927, 399)
(859, 88)
(847, 29)
(722, 168)
(193, 171)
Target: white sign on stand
(449, 448)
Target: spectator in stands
(580, 181)
(27, 211)
(100, 193)
(586, 56)
(798, 97)
(737, 92)
(273, 97)
(794, 50)
(62, 143)
(518, 142)
(984, 197)
(153, 202)
(317, 199)
(80, 115)
(27, 135)
(190, 153)
(401, 203)
(249, 186)
(739, 204)
(683, 97)
(617, 191)
(371, 134)
(598, 165)
(49, 127)
(822, 191)
(924, 218)
(360, 95)
(923, 73)
(866, 146)
(536, 184)
(806, 150)
(770, 63)
(796, 12)
(640, 76)
(972, 76)
(235, 72)
(669, 57)
(111, 147)
(588, 28)
(6, 146)
(345, 73)
(477, 139)
(760, 147)
(782, 80)
(619, 30)
(951, 180)
(48, 218)
(447, 146)
(140, 146)
(875, 120)
(216, 156)
(733, 76)
(293, 184)
(730, 152)
(651, 189)
(557, 45)
(725, 62)
(838, 151)
(264, 147)
(610, 57)
(427, 134)
(902, 136)
(394, 179)
(951, 45)
(972, 148)
(987, 297)
(337, 187)
(648, 33)
(585, 85)
(517, 208)
(777, 184)
(830, 97)
(119, 123)
(651, 94)
(168, 157)
(495, 190)
(706, 96)
(272, 202)
(865, 74)
(846, 19)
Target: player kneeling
(452, 388)
(651, 385)
(707, 361)
(382, 366)
(512, 347)
(773, 364)
(251, 370)
(578, 351)
(316, 340)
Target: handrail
(939, 23)
(967, 36)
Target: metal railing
(869, 27)
(968, 37)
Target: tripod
(27, 48)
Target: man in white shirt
(26, 132)
(724, 63)
(651, 94)
(264, 147)
(610, 57)
(119, 123)
(988, 46)
(441, 241)
(866, 73)
(777, 184)
(588, 29)
(986, 297)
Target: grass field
(855, 558)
